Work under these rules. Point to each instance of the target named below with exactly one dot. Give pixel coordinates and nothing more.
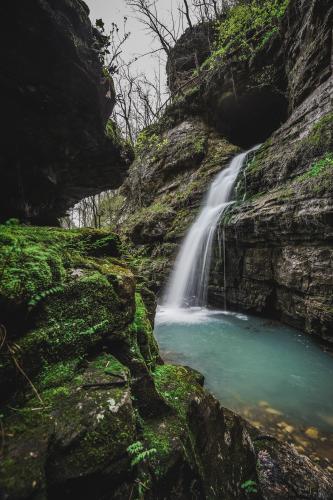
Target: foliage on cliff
(246, 29)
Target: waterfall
(188, 285)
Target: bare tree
(187, 14)
(139, 99)
(148, 15)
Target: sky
(140, 41)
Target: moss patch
(142, 329)
(178, 385)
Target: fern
(40, 296)
(135, 448)
(139, 454)
(143, 456)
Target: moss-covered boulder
(69, 313)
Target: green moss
(109, 365)
(28, 267)
(69, 300)
(142, 328)
(322, 133)
(74, 320)
(164, 436)
(318, 168)
(57, 374)
(113, 132)
(200, 145)
(107, 245)
(312, 156)
(146, 215)
(246, 29)
(150, 141)
(178, 385)
(98, 424)
(157, 439)
(34, 260)
(316, 181)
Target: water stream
(188, 283)
(273, 375)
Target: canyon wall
(279, 231)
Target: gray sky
(140, 41)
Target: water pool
(275, 376)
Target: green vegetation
(249, 486)
(58, 300)
(35, 260)
(148, 141)
(146, 215)
(143, 331)
(322, 133)
(312, 156)
(176, 384)
(54, 375)
(318, 168)
(246, 29)
(50, 357)
(28, 268)
(113, 132)
(139, 454)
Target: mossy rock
(303, 167)
(58, 299)
(81, 426)
(35, 260)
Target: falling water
(189, 279)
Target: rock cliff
(276, 88)
(55, 104)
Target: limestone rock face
(55, 103)
(190, 51)
(279, 255)
(164, 190)
(279, 232)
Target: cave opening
(251, 118)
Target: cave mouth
(251, 118)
